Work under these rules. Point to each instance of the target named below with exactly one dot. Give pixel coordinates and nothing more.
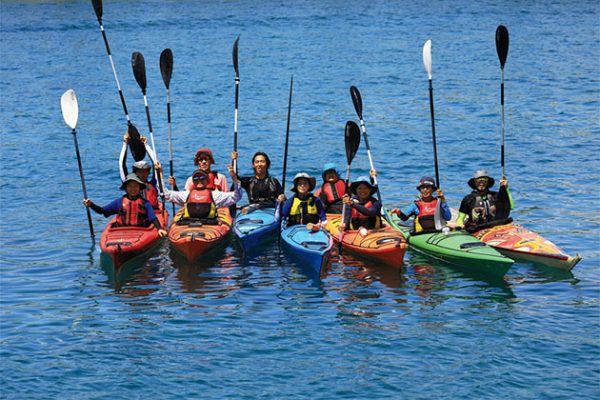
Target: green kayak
(457, 248)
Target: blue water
(240, 327)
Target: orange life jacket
(359, 220)
(151, 194)
(200, 204)
(132, 213)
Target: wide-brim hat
(312, 182)
(329, 167)
(141, 164)
(206, 151)
(360, 180)
(426, 181)
(481, 174)
(133, 177)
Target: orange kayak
(196, 238)
(520, 243)
(124, 243)
(385, 245)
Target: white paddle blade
(70, 109)
(427, 57)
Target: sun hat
(203, 151)
(141, 165)
(133, 177)
(481, 174)
(312, 182)
(360, 180)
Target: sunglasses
(198, 178)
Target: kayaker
(425, 208)
(263, 190)
(304, 207)
(141, 169)
(204, 160)
(365, 210)
(332, 191)
(483, 207)
(201, 202)
(132, 208)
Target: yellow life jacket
(303, 211)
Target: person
(483, 206)
(425, 209)
(263, 190)
(304, 207)
(203, 160)
(332, 191)
(131, 209)
(365, 210)
(141, 169)
(201, 202)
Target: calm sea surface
(244, 327)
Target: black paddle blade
(502, 44)
(357, 100)
(97, 4)
(166, 66)
(138, 149)
(235, 57)
(139, 69)
(351, 140)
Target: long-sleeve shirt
(285, 213)
(114, 207)
(221, 199)
(413, 209)
(373, 211)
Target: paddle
(502, 50)
(439, 223)
(139, 71)
(357, 101)
(351, 142)
(287, 135)
(237, 96)
(137, 148)
(166, 70)
(70, 111)
(427, 64)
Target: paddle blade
(502, 44)
(166, 66)
(139, 69)
(351, 140)
(357, 100)
(97, 4)
(235, 57)
(427, 58)
(70, 109)
(137, 147)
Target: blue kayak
(312, 249)
(256, 226)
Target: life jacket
(212, 177)
(483, 208)
(200, 204)
(425, 220)
(331, 195)
(132, 212)
(151, 194)
(303, 211)
(256, 198)
(359, 220)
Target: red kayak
(385, 245)
(124, 243)
(196, 238)
(520, 243)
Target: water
(262, 327)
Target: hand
(232, 172)
(126, 137)
(172, 181)
(162, 233)
(373, 173)
(234, 155)
(158, 166)
(440, 195)
(313, 227)
(396, 211)
(143, 139)
(281, 198)
(504, 182)
(347, 200)
(87, 202)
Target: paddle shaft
(287, 134)
(366, 138)
(502, 121)
(112, 64)
(435, 158)
(89, 216)
(502, 44)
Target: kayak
(254, 227)
(520, 243)
(311, 248)
(456, 248)
(194, 238)
(385, 245)
(123, 243)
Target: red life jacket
(151, 194)
(212, 176)
(200, 204)
(359, 220)
(132, 213)
(333, 191)
(426, 218)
